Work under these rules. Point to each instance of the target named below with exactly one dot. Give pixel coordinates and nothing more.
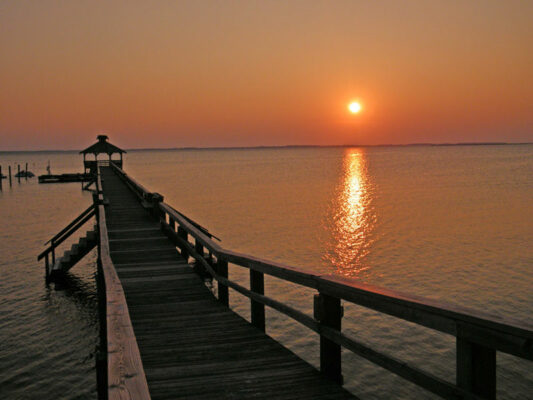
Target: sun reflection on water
(352, 216)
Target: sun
(354, 107)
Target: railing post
(328, 312)
(223, 293)
(476, 367)
(47, 268)
(182, 233)
(53, 246)
(198, 266)
(257, 285)
(154, 199)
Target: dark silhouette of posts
(18, 172)
(182, 233)
(476, 367)
(1, 177)
(10, 175)
(328, 312)
(257, 285)
(26, 171)
(223, 293)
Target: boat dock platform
(65, 178)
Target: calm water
(449, 223)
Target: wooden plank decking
(191, 345)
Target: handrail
(438, 314)
(125, 377)
(67, 232)
(144, 194)
(479, 335)
(72, 223)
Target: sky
(261, 73)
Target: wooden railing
(64, 234)
(478, 336)
(123, 375)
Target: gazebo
(101, 147)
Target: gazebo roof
(102, 146)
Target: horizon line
(429, 144)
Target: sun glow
(354, 107)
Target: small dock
(165, 335)
(65, 178)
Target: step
(66, 256)
(91, 236)
(75, 249)
(134, 233)
(139, 243)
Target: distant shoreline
(288, 147)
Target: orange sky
(247, 73)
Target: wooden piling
(18, 172)
(26, 171)
(1, 178)
(10, 175)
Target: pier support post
(18, 172)
(223, 292)
(1, 176)
(328, 312)
(257, 285)
(476, 367)
(10, 175)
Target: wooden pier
(164, 335)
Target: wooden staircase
(75, 254)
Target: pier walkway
(192, 346)
(165, 335)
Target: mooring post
(328, 312)
(18, 174)
(26, 171)
(10, 184)
(476, 367)
(257, 285)
(223, 293)
(1, 178)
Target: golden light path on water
(353, 217)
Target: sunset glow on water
(396, 217)
(353, 216)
